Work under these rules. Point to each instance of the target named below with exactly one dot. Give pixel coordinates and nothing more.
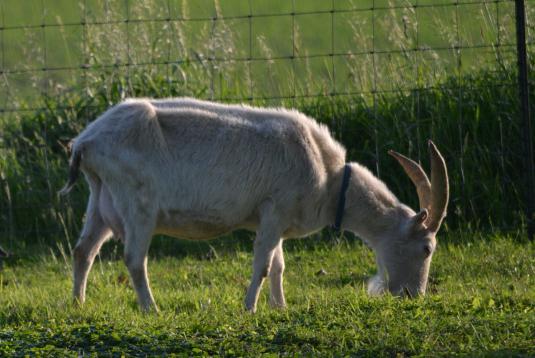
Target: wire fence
(40, 51)
(72, 58)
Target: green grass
(480, 303)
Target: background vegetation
(381, 74)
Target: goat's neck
(371, 210)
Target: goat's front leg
(276, 297)
(267, 239)
(136, 248)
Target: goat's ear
(419, 219)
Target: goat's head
(404, 257)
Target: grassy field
(480, 303)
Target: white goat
(196, 169)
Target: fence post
(524, 111)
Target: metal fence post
(524, 111)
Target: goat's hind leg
(129, 213)
(94, 234)
(137, 242)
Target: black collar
(342, 199)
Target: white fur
(196, 169)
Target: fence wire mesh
(416, 68)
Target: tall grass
(464, 100)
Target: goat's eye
(427, 250)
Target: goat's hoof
(278, 306)
(150, 309)
(250, 309)
(78, 301)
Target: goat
(197, 169)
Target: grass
(480, 303)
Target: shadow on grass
(164, 246)
(354, 279)
(108, 339)
(237, 241)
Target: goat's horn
(418, 177)
(440, 188)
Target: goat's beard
(376, 285)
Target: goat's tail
(74, 170)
